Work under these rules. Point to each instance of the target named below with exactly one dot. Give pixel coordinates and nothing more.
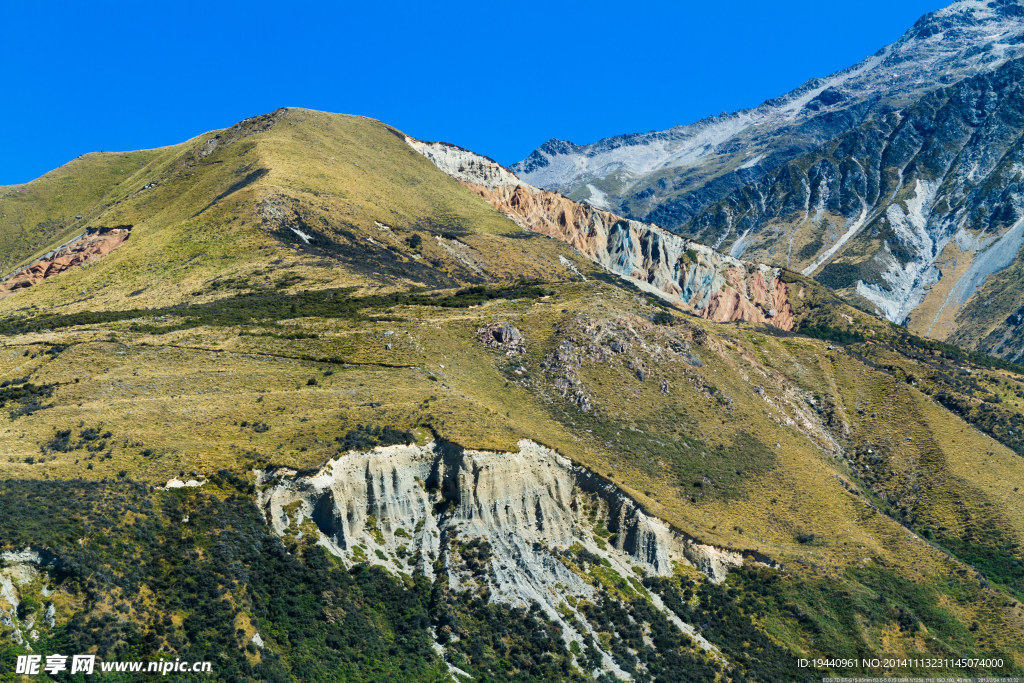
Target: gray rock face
(687, 273)
(21, 569)
(428, 509)
(502, 336)
(918, 215)
(464, 165)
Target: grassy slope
(172, 410)
(227, 214)
(741, 450)
(38, 215)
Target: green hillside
(38, 215)
(220, 213)
(304, 284)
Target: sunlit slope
(59, 205)
(330, 200)
(737, 436)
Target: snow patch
(597, 198)
(751, 163)
(909, 282)
(302, 235)
(999, 255)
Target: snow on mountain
(914, 215)
(941, 48)
(896, 181)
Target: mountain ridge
(937, 184)
(964, 20)
(683, 272)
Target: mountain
(310, 399)
(918, 216)
(892, 181)
(198, 212)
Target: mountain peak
(943, 47)
(962, 19)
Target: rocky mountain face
(340, 409)
(685, 272)
(669, 176)
(513, 526)
(893, 181)
(917, 215)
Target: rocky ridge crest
(685, 272)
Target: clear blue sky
(497, 77)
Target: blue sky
(498, 78)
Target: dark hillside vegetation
(219, 577)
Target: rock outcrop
(20, 571)
(92, 245)
(503, 336)
(522, 519)
(917, 215)
(685, 272)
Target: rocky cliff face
(671, 176)
(919, 215)
(525, 527)
(23, 573)
(683, 271)
(90, 246)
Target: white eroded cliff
(512, 524)
(687, 273)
